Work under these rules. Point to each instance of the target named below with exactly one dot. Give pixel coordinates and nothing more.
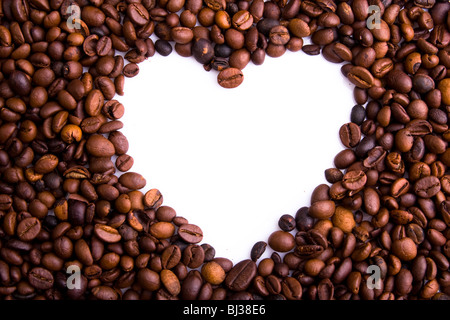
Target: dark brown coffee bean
(107, 233)
(405, 249)
(138, 14)
(427, 187)
(203, 51)
(258, 250)
(190, 233)
(354, 180)
(350, 135)
(279, 35)
(325, 290)
(322, 209)
(299, 28)
(131, 70)
(241, 275)
(170, 257)
(28, 229)
(20, 83)
(287, 222)
(360, 77)
(149, 279)
(193, 256)
(399, 81)
(281, 241)
(132, 180)
(46, 164)
(40, 278)
(182, 35)
(311, 49)
(99, 146)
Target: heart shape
(256, 154)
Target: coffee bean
(399, 81)
(40, 278)
(281, 241)
(138, 14)
(230, 78)
(20, 83)
(405, 249)
(322, 209)
(170, 282)
(354, 180)
(213, 273)
(149, 279)
(203, 51)
(46, 164)
(131, 70)
(28, 229)
(287, 222)
(360, 77)
(242, 20)
(303, 220)
(241, 275)
(427, 187)
(163, 47)
(190, 233)
(350, 135)
(99, 146)
(279, 35)
(170, 257)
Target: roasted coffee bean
(203, 51)
(28, 229)
(241, 275)
(354, 180)
(281, 241)
(350, 135)
(427, 187)
(360, 77)
(190, 233)
(287, 222)
(163, 47)
(258, 250)
(230, 78)
(99, 146)
(131, 70)
(40, 278)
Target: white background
(234, 160)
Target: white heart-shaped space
(234, 160)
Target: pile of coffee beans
(76, 223)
